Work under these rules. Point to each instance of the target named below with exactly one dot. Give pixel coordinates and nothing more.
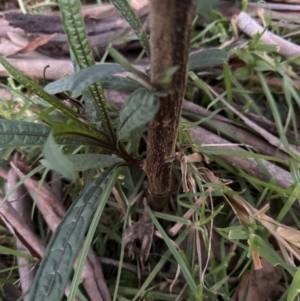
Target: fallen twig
(249, 165)
(20, 201)
(282, 177)
(274, 6)
(250, 27)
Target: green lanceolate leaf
(56, 266)
(16, 133)
(56, 160)
(89, 161)
(60, 85)
(81, 80)
(120, 83)
(135, 138)
(130, 16)
(74, 131)
(204, 7)
(110, 82)
(88, 241)
(207, 58)
(78, 41)
(76, 33)
(37, 90)
(138, 109)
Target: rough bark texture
(101, 31)
(170, 25)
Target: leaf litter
(261, 280)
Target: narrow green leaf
(256, 39)
(294, 288)
(166, 76)
(56, 160)
(204, 7)
(78, 41)
(90, 161)
(119, 58)
(37, 90)
(89, 237)
(242, 73)
(207, 58)
(157, 268)
(267, 252)
(13, 252)
(73, 131)
(274, 109)
(227, 81)
(201, 85)
(109, 82)
(267, 48)
(238, 232)
(291, 117)
(16, 133)
(81, 80)
(100, 103)
(56, 266)
(36, 170)
(76, 140)
(138, 109)
(120, 83)
(130, 16)
(76, 33)
(59, 85)
(289, 202)
(262, 66)
(135, 138)
(127, 181)
(184, 269)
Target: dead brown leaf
(34, 44)
(291, 234)
(143, 231)
(256, 260)
(17, 38)
(284, 235)
(53, 211)
(184, 160)
(257, 285)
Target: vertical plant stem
(170, 22)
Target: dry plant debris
(215, 150)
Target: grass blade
(139, 108)
(130, 16)
(184, 269)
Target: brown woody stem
(170, 22)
